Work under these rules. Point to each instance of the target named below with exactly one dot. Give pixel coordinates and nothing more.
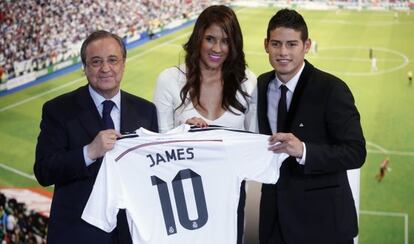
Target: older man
(78, 128)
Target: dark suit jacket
(313, 203)
(70, 122)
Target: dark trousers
(123, 235)
(240, 213)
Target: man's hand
(286, 143)
(103, 142)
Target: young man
(313, 118)
(77, 129)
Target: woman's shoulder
(251, 81)
(172, 75)
(174, 71)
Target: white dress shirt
(115, 115)
(273, 96)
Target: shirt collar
(98, 99)
(291, 84)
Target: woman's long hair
(233, 69)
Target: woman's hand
(199, 122)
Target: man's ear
(307, 45)
(265, 45)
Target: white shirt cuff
(301, 161)
(88, 161)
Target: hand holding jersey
(286, 143)
(103, 142)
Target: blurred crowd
(19, 225)
(38, 33)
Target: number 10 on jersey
(177, 186)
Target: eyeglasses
(98, 62)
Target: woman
(213, 87)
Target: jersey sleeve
(253, 160)
(106, 198)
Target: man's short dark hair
(101, 34)
(288, 18)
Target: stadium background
(344, 35)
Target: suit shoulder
(137, 100)
(263, 78)
(329, 84)
(63, 100)
(324, 76)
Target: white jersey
(180, 187)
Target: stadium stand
(20, 225)
(40, 37)
(38, 33)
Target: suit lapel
(297, 94)
(91, 120)
(88, 115)
(263, 84)
(129, 116)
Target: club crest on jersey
(171, 155)
(171, 230)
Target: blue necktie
(106, 114)
(282, 110)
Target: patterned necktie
(282, 110)
(106, 114)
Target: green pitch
(384, 99)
